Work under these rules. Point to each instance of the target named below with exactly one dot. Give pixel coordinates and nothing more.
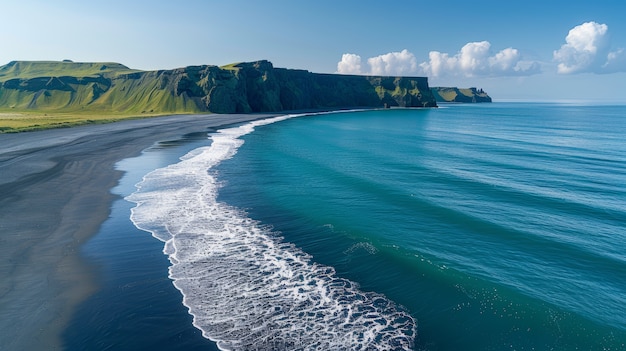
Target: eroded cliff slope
(239, 88)
(453, 94)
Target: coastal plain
(54, 195)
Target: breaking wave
(246, 288)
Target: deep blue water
(477, 227)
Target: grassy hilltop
(37, 69)
(45, 94)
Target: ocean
(467, 227)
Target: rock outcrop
(452, 94)
(239, 88)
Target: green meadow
(38, 95)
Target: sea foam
(246, 288)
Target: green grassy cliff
(38, 69)
(112, 88)
(447, 94)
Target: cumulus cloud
(587, 48)
(349, 64)
(474, 59)
(393, 63)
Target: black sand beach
(54, 195)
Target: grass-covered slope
(37, 69)
(91, 88)
(40, 94)
(452, 94)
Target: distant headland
(100, 92)
(453, 94)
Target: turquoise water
(496, 226)
(468, 227)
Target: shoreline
(55, 193)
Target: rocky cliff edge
(238, 88)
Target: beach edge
(55, 195)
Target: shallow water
(136, 307)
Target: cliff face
(240, 88)
(446, 94)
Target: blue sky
(515, 50)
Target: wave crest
(244, 286)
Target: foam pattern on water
(244, 286)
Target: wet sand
(54, 195)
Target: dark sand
(54, 195)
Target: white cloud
(505, 60)
(349, 64)
(393, 63)
(616, 62)
(587, 49)
(474, 59)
